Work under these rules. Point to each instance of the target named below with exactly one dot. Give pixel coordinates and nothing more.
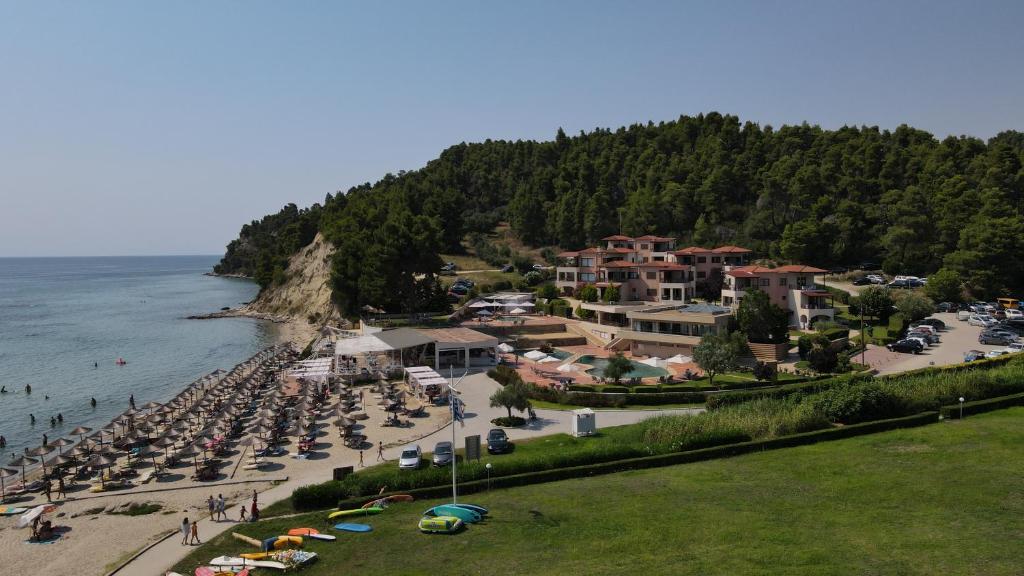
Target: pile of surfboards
(451, 518)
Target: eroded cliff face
(306, 294)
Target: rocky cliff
(306, 294)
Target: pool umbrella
(40, 451)
(60, 443)
(80, 431)
(23, 461)
(5, 473)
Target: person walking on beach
(241, 517)
(220, 507)
(48, 488)
(380, 451)
(360, 458)
(254, 512)
(195, 533)
(61, 487)
(211, 504)
(184, 532)
(131, 401)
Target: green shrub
(645, 389)
(851, 403)
(803, 345)
(508, 422)
(615, 390)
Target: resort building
(644, 269)
(709, 263)
(790, 287)
(666, 331)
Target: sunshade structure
(568, 368)
(80, 431)
(360, 345)
(22, 462)
(485, 313)
(654, 361)
(679, 359)
(517, 310)
(315, 368)
(60, 443)
(5, 473)
(535, 355)
(505, 348)
(102, 461)
(40, 451)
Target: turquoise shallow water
(60, 315)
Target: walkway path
(475, 390)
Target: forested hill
(796, 193)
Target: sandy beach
(96, 539)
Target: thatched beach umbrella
(102, 461)
(80, 431)
(5, 473)
(62, 460)
(22, 462)
(60, 443)
(40, 451)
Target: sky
(138, 128)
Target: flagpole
(451, 401)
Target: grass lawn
(941, 499)
(466, 262)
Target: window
(783, 281)
(701, 259)
(634, 275)
(801, 281)
(701, 274)
(764, 281)
(652, 275)
(716, 259)
(644, 247)
(587, 262)
(588, 277)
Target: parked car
(997, 339)
(927, 328)
(876, 278)
(497, 441)
(1013, 314)
(946, 307)
(973, 355)
(920, 338)
(449, 267)
(862, 281)
(963, 315)
(410, 458)
(899, 284)
(931, 339)
(981, 320)
(868, 265)
(999, 314)
(906, 345)
(538, 266)
(443, 454)
(995, 353)
(1016, 347)
(1001, 332)
(933, 322)
(508, 268)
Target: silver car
(410, 458)
(443, 454)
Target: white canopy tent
(360, 345)
(319, 368)
(535, 355)
(654, 361)
(505, 348)
(679, 359)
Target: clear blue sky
(160, 128)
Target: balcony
(731, 297)
(674, 291)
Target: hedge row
(982, 406)
(659, 460)
(740, 396)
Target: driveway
(957, 339)
(476, 390)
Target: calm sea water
(59, 316)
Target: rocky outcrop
(306, 294)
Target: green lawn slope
(940, 499)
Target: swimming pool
(638, 370)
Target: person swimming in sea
(32, 418)
(95, 364)
(28, 388)
(53, 422)
(3, 389)
(60, 417)
(46, 397)
(93, 402)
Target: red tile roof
(731, 250)
(691, 250)
(665, 265)
(746, 271)
(620, 264)
(617, 237)
(618, 250)
(651, 238)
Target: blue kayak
(353, 527)
(478, 509)
(449, 510)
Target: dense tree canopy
(799, 193)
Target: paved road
(475, 390)
(957, 339)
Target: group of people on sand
(218, 508)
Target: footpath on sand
(475, 390)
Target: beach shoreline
(288, 329)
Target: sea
(64, 323)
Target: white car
(875, 279)
(983, 320)
(963, 315)
(1014, 314)
(1015, 347)
(996, 353)
(410, 458)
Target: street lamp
(488, 466)
(961, 407)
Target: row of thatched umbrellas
(208, 406)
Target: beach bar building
(391, 350)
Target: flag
(458, 410)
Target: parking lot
(957, 339)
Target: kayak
(232, 562)
(356, 512)
(311, 533)
(449, 510)
(478, 509)
(354, 527)
(440, 524)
